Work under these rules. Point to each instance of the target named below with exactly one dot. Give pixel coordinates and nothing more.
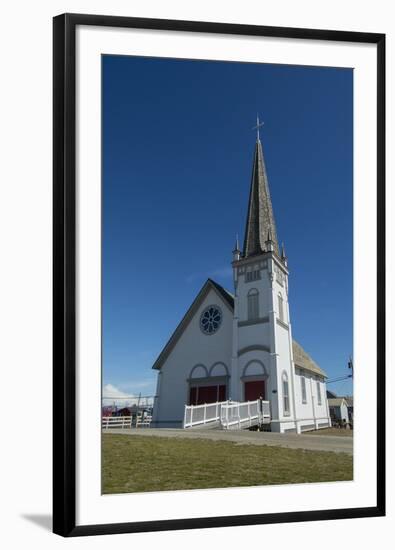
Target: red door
(207, 394)
(254, 390)
(193, 396)
(221, 393)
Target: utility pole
(351, 366)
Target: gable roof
(336, 402)
(208, 285)
(301, 358)
(226, 295)
(348, 399)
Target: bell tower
(262, 361)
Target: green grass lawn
(331, 431)
(137, 463)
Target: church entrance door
(254, 390)
(207, 394)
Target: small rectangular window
(280, 308)
(285, 396)
(319, 393)
(304, 394)
(253, 275)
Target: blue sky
(177, 157)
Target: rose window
(210, 319)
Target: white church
(238, 346)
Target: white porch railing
(228, 414)
(199, 415)
(243, 415)
(116, 422)
(240, 415)
(266, 417)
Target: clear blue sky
(177, 158)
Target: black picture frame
(64, 273)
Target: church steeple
(236, 250)
(260, 218)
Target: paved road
(337, 444)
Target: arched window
(285, 394)
(253, 303)
(280, 307)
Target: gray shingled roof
(260, 217)
(303, 360)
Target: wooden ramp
(227, 415)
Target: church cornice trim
(254, 377)
(263, 374)
(222, 364)
(208, 379)
(257, 347)
(199, 366)
(251, 259)
(257, 321)
(282, 324)
(261, 257)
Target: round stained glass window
(210, 319)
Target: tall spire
(260, 218)
(237, 247)
(236, 250)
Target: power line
(128, 396)
(339, 379)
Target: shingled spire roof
(260, 218)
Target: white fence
(144, 421)
(126, 422)
(116, 422)
(227, 414)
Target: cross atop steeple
(258, 125)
